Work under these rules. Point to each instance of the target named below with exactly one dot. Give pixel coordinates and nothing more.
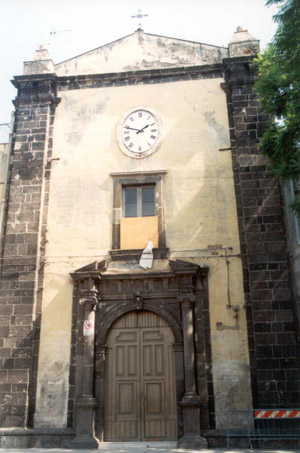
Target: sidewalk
(140, 447)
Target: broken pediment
(91, 269)
(180, 267)
(142, 51)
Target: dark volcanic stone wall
(21, 273)
(270, 315)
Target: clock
(139, 132)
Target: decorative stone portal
(140, 335)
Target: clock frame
(139, 132)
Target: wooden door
(140, 381)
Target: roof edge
(131, 34)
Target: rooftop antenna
(53, 34)
(139, 16)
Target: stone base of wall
(217, 438)
(61, 438)
(35, 438)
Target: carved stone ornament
(87, 280)
(88, 293)
(138, 300)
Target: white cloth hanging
(146, 259)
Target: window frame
(139, 200)
(138, 179)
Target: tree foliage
(279, 91)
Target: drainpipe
(3, 201)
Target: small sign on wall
(88, 328)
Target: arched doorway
(140, 395)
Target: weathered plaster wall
(142, 51)
(55, 348)
(229, 339)
(200, 211)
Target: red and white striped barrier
(277, 414)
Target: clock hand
(132, 128)
(143, 128)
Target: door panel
(132, 362)
(159, 360)
(154, 399)
(140, 385)
(126, 398)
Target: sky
(73, 27)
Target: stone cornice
(74, 82)
(239, 72)
(36, 88)
(138, 173)
(17, 81)
(243, 59)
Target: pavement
(141, 447)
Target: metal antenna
(139, 16)
(53, 34)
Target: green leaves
(281, 145)
(279, 91)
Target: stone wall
(269, 307)
(21, 271)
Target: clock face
(139, 132)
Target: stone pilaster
(190, 402)
(22, 246)
(85, 403)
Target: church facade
(146, 143)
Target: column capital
(188, 297)
(88, 293)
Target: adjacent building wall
(290, 189)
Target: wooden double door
(140, 382)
